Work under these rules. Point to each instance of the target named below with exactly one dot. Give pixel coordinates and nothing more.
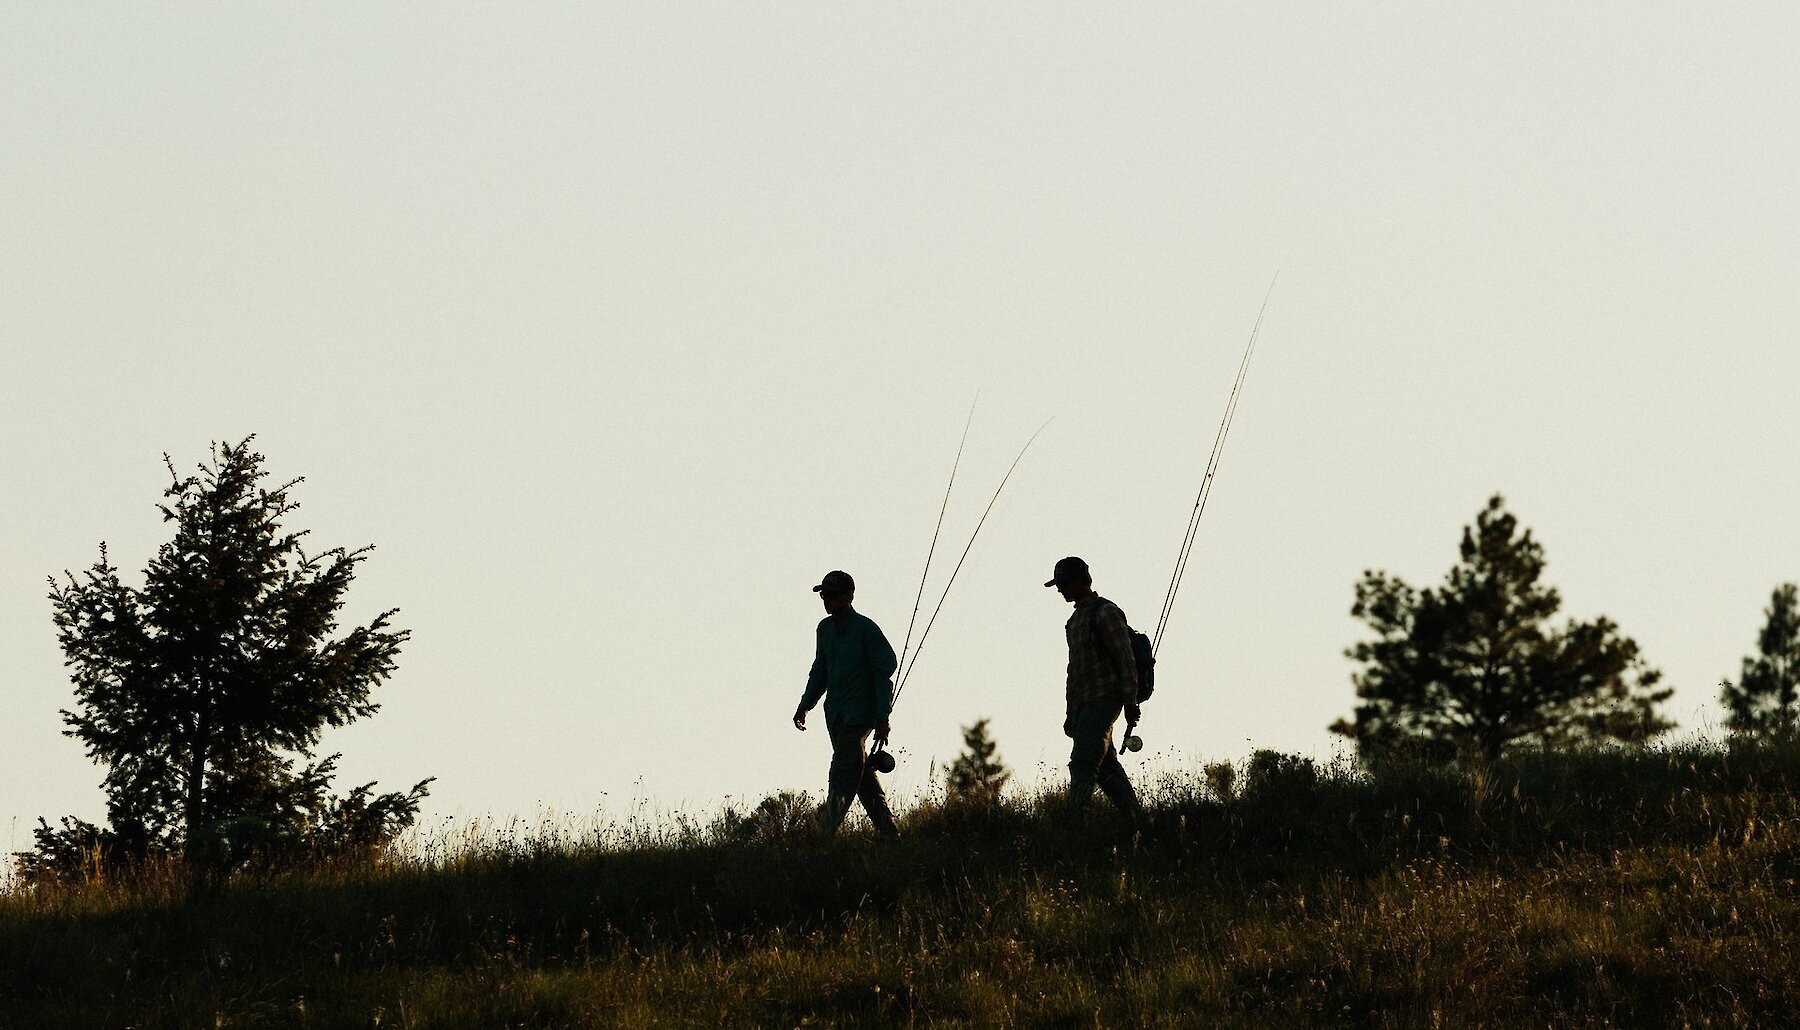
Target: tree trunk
(195, 808)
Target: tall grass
(1630, 887)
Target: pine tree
(977, 775)
(1766, 699)
(1473, 667)
(204, 693)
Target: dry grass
(1624, 888)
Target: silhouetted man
(852, 670)
(1102, 683)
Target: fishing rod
(1212, 469)
(881, 758)
(932, 550)
(906, 674)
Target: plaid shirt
(1103, 669)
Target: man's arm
(882, 666)
(815, 684)
(1069, 684)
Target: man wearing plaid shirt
(1102, 683)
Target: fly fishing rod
(905, 675)
(883, 759)
(1133, 742)
(1206, 482)
(939, 528)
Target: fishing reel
(1133, 742)
(881, 760)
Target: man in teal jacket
(852, 670)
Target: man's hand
(1132, 714)
(881, 732)
(800, 718)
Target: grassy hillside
(1620, 888)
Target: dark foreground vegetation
(1634, 887)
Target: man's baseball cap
(1069, 570)
(836, 582)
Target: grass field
(1622, 888)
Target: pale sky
(613, 327)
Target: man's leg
(848, 758)
(1117, 786)
(874, 802)
(1092, 732)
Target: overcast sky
(613, 327)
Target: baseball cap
(1068, 570)
(836, 582)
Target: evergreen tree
(977, 774)
(1766, 699)
(1473, 667)
(205, 692)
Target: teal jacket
(852, 669)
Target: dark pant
(1093, 760)
(852, 777)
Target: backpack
(1141, 653)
